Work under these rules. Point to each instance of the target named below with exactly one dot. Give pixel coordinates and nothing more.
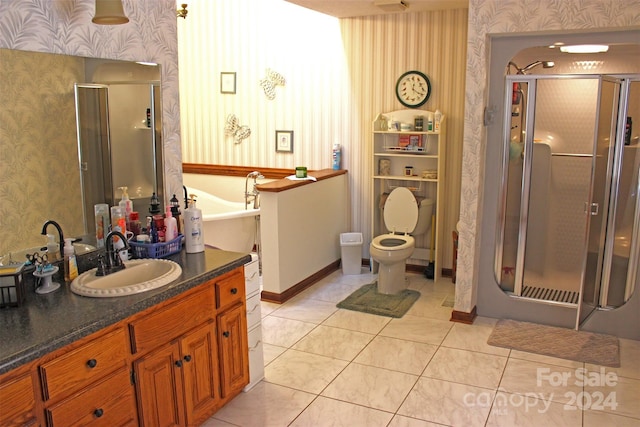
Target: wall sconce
(182, 13)
(109, 12)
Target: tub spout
(254, 194)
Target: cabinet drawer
(84, 365)
(110, 402)
(253, 311)
(166, 324)
(256, 357)
(230, 289)
(252, 277)
(17, 402)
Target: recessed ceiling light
(584, 48)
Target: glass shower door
(596, 270)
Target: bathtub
(227, 225)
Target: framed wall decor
(227, 82)
(284, 141)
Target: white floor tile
(303, 371)
(284, 332)
(397, 355)
(467, 367)
(357, 321)
(333, 413)
(448, 403)
(333, 342)
(372, 387)
(419, 329)
(306, 310)
(517, 410)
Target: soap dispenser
(53, 248)
(126, 204)
(70, 264)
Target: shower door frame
(531, 82)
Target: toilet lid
(401, 211)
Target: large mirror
(72, 131)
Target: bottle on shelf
(194, 238)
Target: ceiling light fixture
(391, 5)
(109, 12)
(182, 13)
(585, 48)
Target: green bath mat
(368, 300)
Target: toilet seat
(401, 211)
(393, 242)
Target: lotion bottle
(70, 264)
(170, 226)
(126, 204)
(194, 238)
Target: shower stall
(569, 214)
(119, 144)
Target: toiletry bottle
(175, 212)
(134, 224)
(126, 203)
(437, 118)
(170, 226)
(118, 221)
(70, 264)
(101, 212)
(194, 238)
(337, 156)
(53, 248)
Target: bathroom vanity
(174, 355)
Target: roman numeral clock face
(413, 89)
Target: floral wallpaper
(65, 27)
(487, 17)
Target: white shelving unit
(393, 152)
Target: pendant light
(109, 12)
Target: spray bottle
(337, 156)
(194, 237)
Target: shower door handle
(592, 209)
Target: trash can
(351, 249)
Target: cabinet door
(160, 398)
(201, 377)
(17, 402)
(109, 402)
(232, 340)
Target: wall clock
(413, 89)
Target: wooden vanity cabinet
(186, 373)
(17, 400)
(175, 363)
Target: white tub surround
(300, 223)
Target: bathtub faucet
(253, 195)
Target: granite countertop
(45, 323)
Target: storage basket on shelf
(156, 250)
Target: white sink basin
(140, 275)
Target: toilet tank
(425, 210)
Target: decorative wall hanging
(234, 129)
(227, 82)
(284, 141)
(270, 82)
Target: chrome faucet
(114, 262)
(60, 235)
(254, 195)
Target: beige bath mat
(564, 343)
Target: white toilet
(402, 217)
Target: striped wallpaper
(340, 74)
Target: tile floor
(331, 367)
